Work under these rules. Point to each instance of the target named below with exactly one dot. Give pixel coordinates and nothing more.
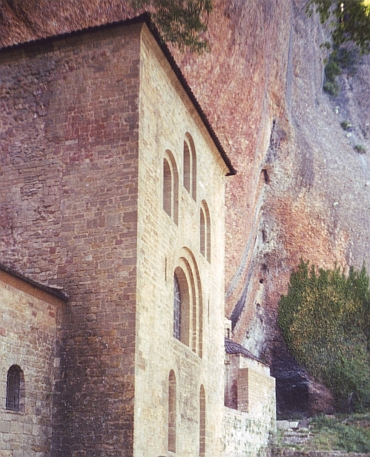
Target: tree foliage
(350, 20)
(181, 22)
(325, 321)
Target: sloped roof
(145, 19)
(50, 290)
(235, 348)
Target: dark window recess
(13, 387)
(176, 309)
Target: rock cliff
(301, 191)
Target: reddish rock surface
(301, 190)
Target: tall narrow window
(190, 166)
(13, 388)
(170, 187)
(187, 167)
(176, 309)
(181, 312)
(205, 231)
(172, 412)
(202, 229)
(167, 188)
(202, 422)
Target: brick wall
(68, 195)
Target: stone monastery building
(112, 193)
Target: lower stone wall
(246, 436)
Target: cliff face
(301, 190)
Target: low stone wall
(245, 436)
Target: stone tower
(112, 188)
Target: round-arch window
(13, 387)
(176, 309)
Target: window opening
(205, 232)
(172, 412)
(13, 389)
(176, 309)
(187, 167)
(202, 422)
(167, 188)
(188, 304)
(190, 166)
(202, 233)
(170, 187)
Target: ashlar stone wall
(28, 324)
(167, 119)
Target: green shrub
(325, 322)
(332, 70)
(331, 88)
(345, 125)
(360, 149)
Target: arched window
(202, 232)
(205, 231)
(187, 167)
(188, 304)
(176, 309)
(13, 388)
(190, 166)
(167, 187)
(202, 422)
(172, 412)
(181, 306)
(170, 187)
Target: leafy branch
(181, 22)
(350, 20)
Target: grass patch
(330, 433)
(350, 434)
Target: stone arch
(187, 280)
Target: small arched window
(170, 187)
(167, 187)
(187, 167)
(190, 166)
(13, 388)
(172, 412)
(205, 231)
(202, 422)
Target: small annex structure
(112, 190)
(250, 403)
(28, 327)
